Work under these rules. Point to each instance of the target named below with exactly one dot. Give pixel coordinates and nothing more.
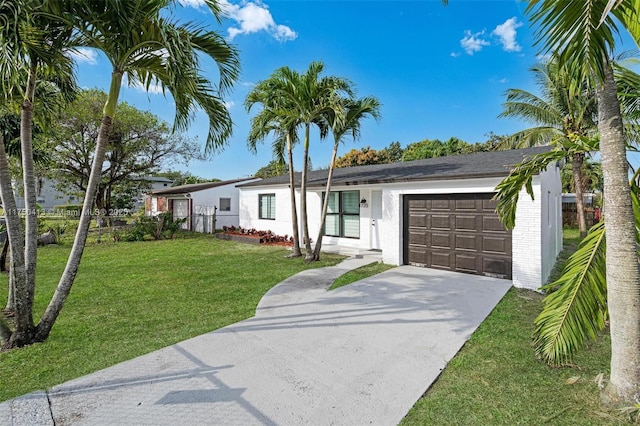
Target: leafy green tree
(363, 157)
(435, 148)
(179, 177)
(348, 122)
(274, 168)
(564, 114)
(393, 152)
(139, 144)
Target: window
(343, 214)
(225, 204)
(267, 206)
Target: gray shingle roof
(193, 187)
(478, 165)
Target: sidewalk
(360, 354)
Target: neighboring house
(436, 213)
(208, 206)
(47, 195)
(155, 183)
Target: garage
(456, 232)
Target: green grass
(360, 273)
(132, 298)
(495, 378)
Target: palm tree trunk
(29, 184)
(294, 211)
(303, 198)
(68, 276)
(623, 273)
(16, 305)
(577, 161)
(325, 203)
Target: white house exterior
(202, 203)
(435, 213)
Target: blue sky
(438, 71)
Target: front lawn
(495, 378)
(132, 298)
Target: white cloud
(83, 54)
(196, 4)
(154, 88)
(253, 17)
(506, 32)
(472, 43)
(229, 104)
(454, 54)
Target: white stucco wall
(206, 200)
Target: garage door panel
(489, 205)
(462, 205)
(440, 259)
(466, 242)
(418, 220)
(439, 205)
(496, 266)
(458, 232)
(465, 223)
(440, 241)
(495, 245)
(492, 224)
(418, 255)
(440, 222)
(465, 263)
(418, 238)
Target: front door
(376, 219)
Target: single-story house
(208, 206)
(436, 212)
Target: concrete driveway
(361, 354)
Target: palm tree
(564, 115)
(583, 35)
(355, 110)
(313, 98)
(148, 49)
(276, 116)
(35, 41)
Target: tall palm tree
(314, 98)
(35, 41)
(149, 49)
(583, 35)
(355, 110)
(276, 117)
(564, 115)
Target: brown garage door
(458, 232)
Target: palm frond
(576, 307)
(508, 191)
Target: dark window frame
(272, 198)
(341, 214)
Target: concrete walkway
(360, 354)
